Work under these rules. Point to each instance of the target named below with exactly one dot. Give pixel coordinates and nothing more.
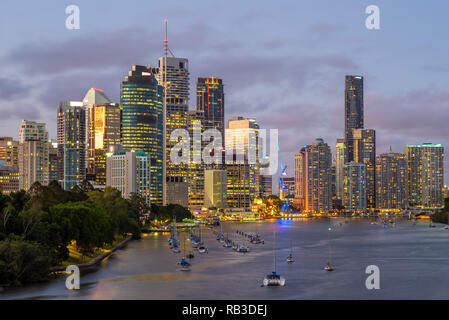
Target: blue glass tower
(142, 121)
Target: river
(413, 262)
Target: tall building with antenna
(173, 74)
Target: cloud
(12, 88)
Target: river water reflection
(413, 262)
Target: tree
(88, 225)
(23, 262)
(124, 214)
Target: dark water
(413, 262)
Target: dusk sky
(282, 62)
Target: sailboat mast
(329, 242)
(274, 251)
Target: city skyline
(56, 71)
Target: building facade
(364, 151)
(129, 172)
(173, 74)
(33, 154)
(210, 100)
(391, 181)
(72, 143)
(313, 177)
(9, 151)
(242, 166)
(354, 199)
(353, 112)
(266, 183)
(339, 165)
(104, 133)
(142, 122)
(425, 175)
(196, 167)
(215, 183)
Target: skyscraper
(243, 176)
(425, 174)
(313, 177)
(364, 151)
(33, 154)
(339, 164)
(354, 198)
(141, 99)
(353, 111)
(391, 181)
(104, 132)
(195, 173)
(72, 143)
(173, 75)
(210, 99)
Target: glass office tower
(141, 100)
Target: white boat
(329, 267)
(242, 248)
(202, 249)
(273, 279)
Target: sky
(282, 62)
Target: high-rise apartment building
(33, 154)
(72, 143)
(129, 172)
(339, 164)
(142, 121)
(364, 151)
(391, 181)
(313, 177)
(425, 175)
(104, 133)
(353, 112)
(354, 197)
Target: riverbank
(96, 260)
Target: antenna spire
(165, 39)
